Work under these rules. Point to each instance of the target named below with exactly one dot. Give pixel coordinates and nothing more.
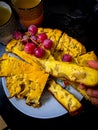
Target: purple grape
(17, 35)
(39, 52)
(67, 58)
(29, 48)
(47, 43)
(41, 37)
(32, 29)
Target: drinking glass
(29, 12)
(8, 23)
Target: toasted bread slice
(65, 98)
(23, 80)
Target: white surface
(50, 107)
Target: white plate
(50, 107)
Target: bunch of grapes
(34, 43)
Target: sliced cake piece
(23, 80)
(65, 98)
(68, 45)
(73, 72)
(10, 65)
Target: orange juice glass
(29, 11)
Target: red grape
(17, 35)
(39, 52)
(47, 43)
(32, 29)
(29, 48)
(67, 58)
(41, 37)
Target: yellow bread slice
(23, 88)
(68, 45)
(71, 71)
(10, 65)
(64, 97)
(23, 80)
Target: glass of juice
(8, 23)
(29, 11)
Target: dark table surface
(84, 29)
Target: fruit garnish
(32, 29)
(29, 48)
(17, 35)
(67, 58)
(34, 43)
(39, 52)
(47, 43)
(41, 37)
